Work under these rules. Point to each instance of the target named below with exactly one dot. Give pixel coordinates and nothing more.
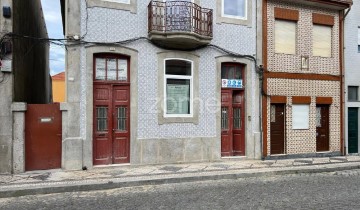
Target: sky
(52, 13)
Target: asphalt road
(336, 190)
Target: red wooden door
(277, 129)
(43, 139)
(232, 123)
(121, 124)
(322, 128)
(111, 124)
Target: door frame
(252, 147)
(328, 128)
(285, 145)
(87, 131)
(111, 84)
(243, 109)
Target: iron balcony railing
(180, 16)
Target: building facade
(303, 92)
(151, 82)
(352, 78)
(58, 87)
(24, 74)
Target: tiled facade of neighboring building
(286, 79)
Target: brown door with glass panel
(111, 137)
(232, 112)
(322, 128)
(277, 129)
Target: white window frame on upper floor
(232, 19)
(127, 5)
(245, 17)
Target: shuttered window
(322, 40)
(285, 36)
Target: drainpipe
(342, 106)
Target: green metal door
(353, 130)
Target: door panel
(232, 123)
(102, 124)
(121, 124)
(322, 128)
(353, 132)
(111, 124)
(238, 123)
(43, 138)
(277, 129)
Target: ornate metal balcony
(179, 24)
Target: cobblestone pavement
(334, 190)
(128, 171)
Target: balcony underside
(179, 40)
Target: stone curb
(100, 184)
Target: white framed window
(178, 87)
(234, 9)
(322, 40)
(285, 36)
(300, 116)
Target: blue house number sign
(231, 83)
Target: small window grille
(237, 118)
(101, 118)
(224, 118)
(121, 118)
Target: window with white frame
(285, 36)
(322, 40)
(178, 88)
(300, 116)
(234, 9)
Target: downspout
(342, 80)
(260, 71)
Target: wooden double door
(232, 123)
(111, 131)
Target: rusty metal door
(43, 137)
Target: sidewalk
(100, 178)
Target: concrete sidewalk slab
(99, 178)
